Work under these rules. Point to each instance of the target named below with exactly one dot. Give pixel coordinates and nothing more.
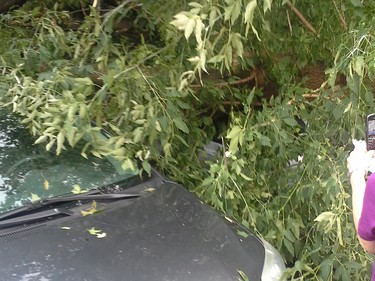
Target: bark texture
(6, 5)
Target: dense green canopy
(274, 81)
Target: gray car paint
(166, 234)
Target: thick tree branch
(6, 5)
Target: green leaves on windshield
(78, 190)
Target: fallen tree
(176, 75)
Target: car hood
(166, 234)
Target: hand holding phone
(370, 131)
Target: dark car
(71, 218)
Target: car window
(28, 172)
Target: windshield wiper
(64, 199)
(34, 217)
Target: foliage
(70, 75)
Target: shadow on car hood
(166, 234)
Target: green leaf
(146, 166)
(289, 246)
(236, 11)
(242, 276)
(267, 5)
(358, 65)
(237, 44)
(60, 142)
(264, 140)
(183, 141)
(249, 12)
(92, 210)
(50, 144)
(195, 5)
(127, 165)
(356, 3)
(138, 134)
(180, 21)
(213, 15)
(290, 122)
(255, 32)
(216, 59)
(101, 235)
(228, 12)
(199, 27)
(325, 216)
(235, 135)
(65, 227)
(181, 125)
(94, 231)
(242, 233)
(71, 135)
(85, 81)
(72, 111)
(167, 149)
(326, 268)
(41, 139)
(82, 110)
(234, 132)
(233, 145)
(34, 197)
(78, 190)
(189, 28)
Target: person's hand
(360, 159)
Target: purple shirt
(366, 224)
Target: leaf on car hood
(91, 210)
(97, 232)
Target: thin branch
(289, 23)
(226, 84)
(303, 19)
(343, 22)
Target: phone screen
(370, 131)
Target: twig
(289, 23)
(97, 5)
(343, 22)
(330, 96)
(226, 84)
(303, 19)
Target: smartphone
(370, 131)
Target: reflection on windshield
(28, 172)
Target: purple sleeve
(366, 225)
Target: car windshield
(28, 172)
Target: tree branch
(226, 84)
(343, 22)
(6, 5)
(303, 19)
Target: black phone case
(370, 131)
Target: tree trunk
(6, 5)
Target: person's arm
(358, 183)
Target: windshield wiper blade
(65, 199)
(78, 197)
(34, 217)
